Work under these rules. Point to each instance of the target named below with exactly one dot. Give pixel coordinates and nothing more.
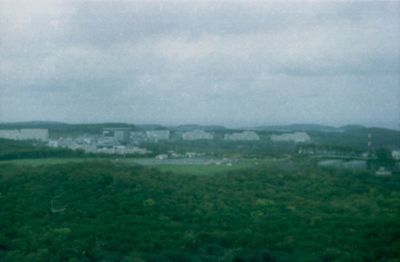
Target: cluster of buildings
(325, 150)
(126, 136)
(237, 136)
(125, 141)
(97, 144)
(111, 141)
(25, 134)
(198, 134)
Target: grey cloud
(230, 63)
(133, 21)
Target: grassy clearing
(164, 166)
(200, 168)
(203, 169)
(197, 169)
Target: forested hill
(358, 138)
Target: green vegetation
(220, 147)
(11, 149)
(243, 201)
(287, 211)
(357, 138)
(209, 169)
(21, 151)
(45, 161)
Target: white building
(9, 134)
(383, 172)
(26, 134)
(156, 135)
(34, 134)
(396, 154)
(297, 137)
(197, 135)
(162, 157)
(53, 143)
(137, 136)
(121, 136)
(245, 135)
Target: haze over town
(240, 63)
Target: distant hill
(185, 128)
(49, 124)
(358, 138)
(31, 124)
(298, 127)
(150, 127)
(352, 127)
(355, 136)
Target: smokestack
(369, 142)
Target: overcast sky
(235, 63)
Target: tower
(369, 142)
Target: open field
(196, 166)
(180, 166)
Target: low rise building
(242, 136)
(105, 142)
(9, 134)
(122, 136)
(137, 136)
(53, 143)
(26, 134)
(157, 135)
(162, 157)
(382, 171)
(396, 154)
(297, 137)
(197, 135)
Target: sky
(233, 63)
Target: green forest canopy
(269, 213)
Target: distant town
(129, 141)
(126, 141)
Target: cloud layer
(233, 63)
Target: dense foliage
(357, 138)
(98, 211)
(12, 149)
(260, 148)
